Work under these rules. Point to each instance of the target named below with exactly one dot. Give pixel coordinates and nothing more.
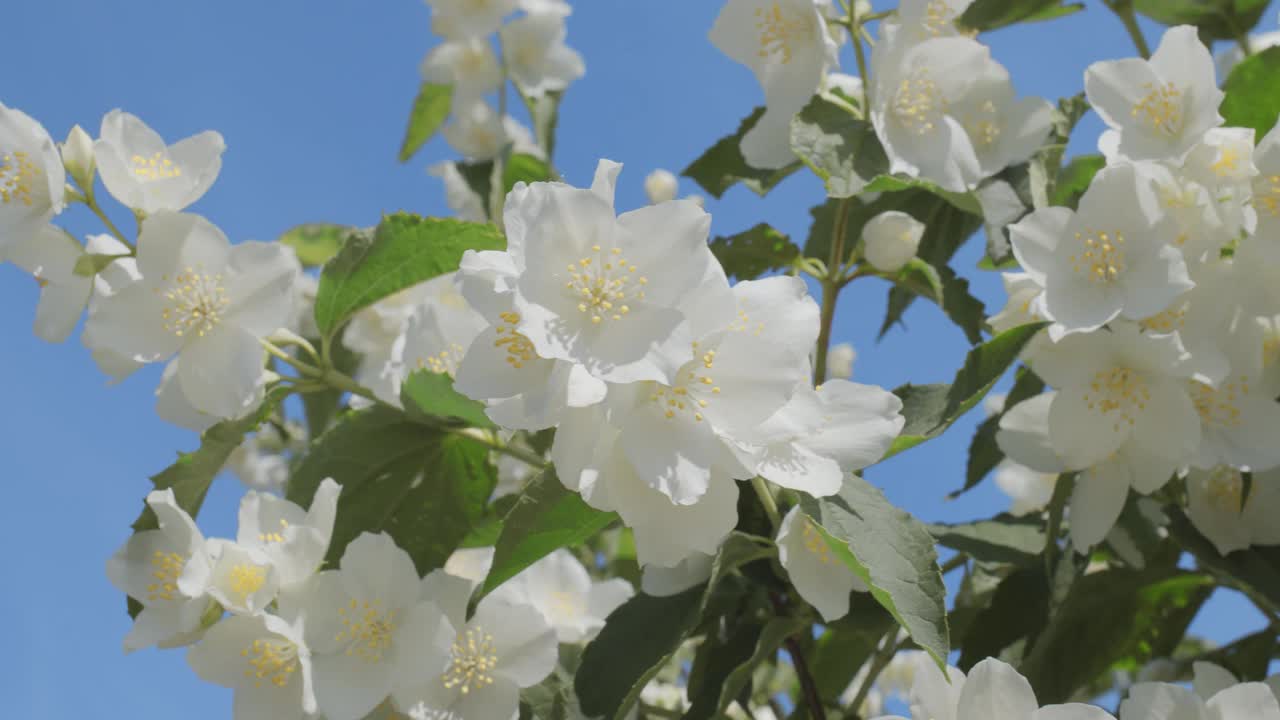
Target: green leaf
(1017, 613)
(319, 408)
(90, 264)
(840, 148)
(1074, 179)
(1214, 19)
(931, 409)
(920, 278)
(965, 202)
(641, 636)
(985, 15)
(1249, 657)
(429, 395)
(722, 166)
(430, 110)
(544, 110)
(984, 454)
(893, 553)
(1256, 569)
(394, 472)
(1004, 538)
(553, 698)
(752, 253)
(719, 656)
(521, 167)
(846, 644)
(404, 250)
(316, 243)
(548, 516)
(1253, 92)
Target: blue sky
(312, 98)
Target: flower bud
(660, 186)
(77, 157)
(840, 361)
(891, 239)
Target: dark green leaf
(750, 254)
(1214, 19)
(1248, 658)
(479, 177)
(316, 243)
(394, 472)
(984, 454)
(840, 148)
(1003, 538)
(1074, 179)
(430, 396)
(985, 15)
(1253, 92)
(722, 166)
(846, 644)
(1019, 610)
(520, 167)
(404, 250)
(547, 517)
(893, 554)
(430, 110)
(965, 202)
(1256, 570)
(930, 409)
(719, 656)
(920, 278)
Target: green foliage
(984, 454)
(931, 409)
(730, 674)
(893, 553)
(1253, 92)
(1255, 571)
(521, 167)
(394, 472)
(1215, 19)
(985, 15)
(545, 518)
(316, 243)
(430, 396)
(430, 110)
(404, 250)
(320, 407)
(754, 252)
(840, 148)
(551, 699)
(1074, 179)
(90, 264)
(1017, 611)
(1003, 538)
(846, 644)
(722, 165)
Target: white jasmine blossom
(536, 55)
(661, 186)
(468, 65)
(148, 176)
(50, 256)
(559, 588)
(31, 177)
(264, 660)
(821, 577)
(891, 239)
(1217, 507)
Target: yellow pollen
(1119, 394)
(273, 661)
(165, 569)
(196, 303)
(18, 178)
(1224, 487)
(938, 16)
(1101, 259)
(1266, 190)
(156, 167)
(778, 30)
(519, 349)
(602, 283)
(919, 104)
(277, 536)
(474, 658)
(1227, 162)
(815, 543)
(1166, 321)
(367, 630)
(247, 579)
(984, 129)
(1219, 406)
(1161, 108)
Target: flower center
(1218, 406)
(156, 167)
(602, 283)
(519, 349)
(1166, 321)
(1103, 258)
(983, 128)
(367, 630)
(778, 31)
(246, 579)
(919, 103)
(815, 543)
(1267, 191)
(744, 324)
(165, 569)
(18, 174)
(1224, 488)
(446, 361)
(566, 605)
(1119, 391)
(692, 391)
(275, 537)
(1161, 108)
(273, 661)
(196, 303)
(938, 16)
(474, 658)
(1228, 162)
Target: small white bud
(849, 86)
(840, 361)
(77, 157)
(993, 404)
(660, 186)
(891, 239)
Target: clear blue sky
(312, 98)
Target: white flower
(374, 333)
(50, 256)
(469, 18)
(1030, 490)
(1109, 259)
(118, 274)
(945, 111)
(1216, 506)
(1022, 307)
(292, 540)
(891, 239)
(786, 44)
(470, 564)
(1161, 701)
(821, 578)
(204, 299)
(840, 359)
(468, 65)
(478, 133)
(924, 19)
(1157, 109)
(536, 56)
(850, 86)
(1227, 59)
(462, 200)
(241, 579)
(661, 186)
(174, 407)
(502, 649)
(439, 331)
(1266, 188)
(157, 568)
(992, 691)
(689, 572)
(369, 630)
(559, 588)
(77, 156)
(146, 175)
(1237, 416)
(258, 468)
(1211, 679)
(31, 176)
(264, 660)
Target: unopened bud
(891, 239)
(840, 361)
(660, 186)
(77, 157)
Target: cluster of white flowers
(1162, 308)
(293, 640)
